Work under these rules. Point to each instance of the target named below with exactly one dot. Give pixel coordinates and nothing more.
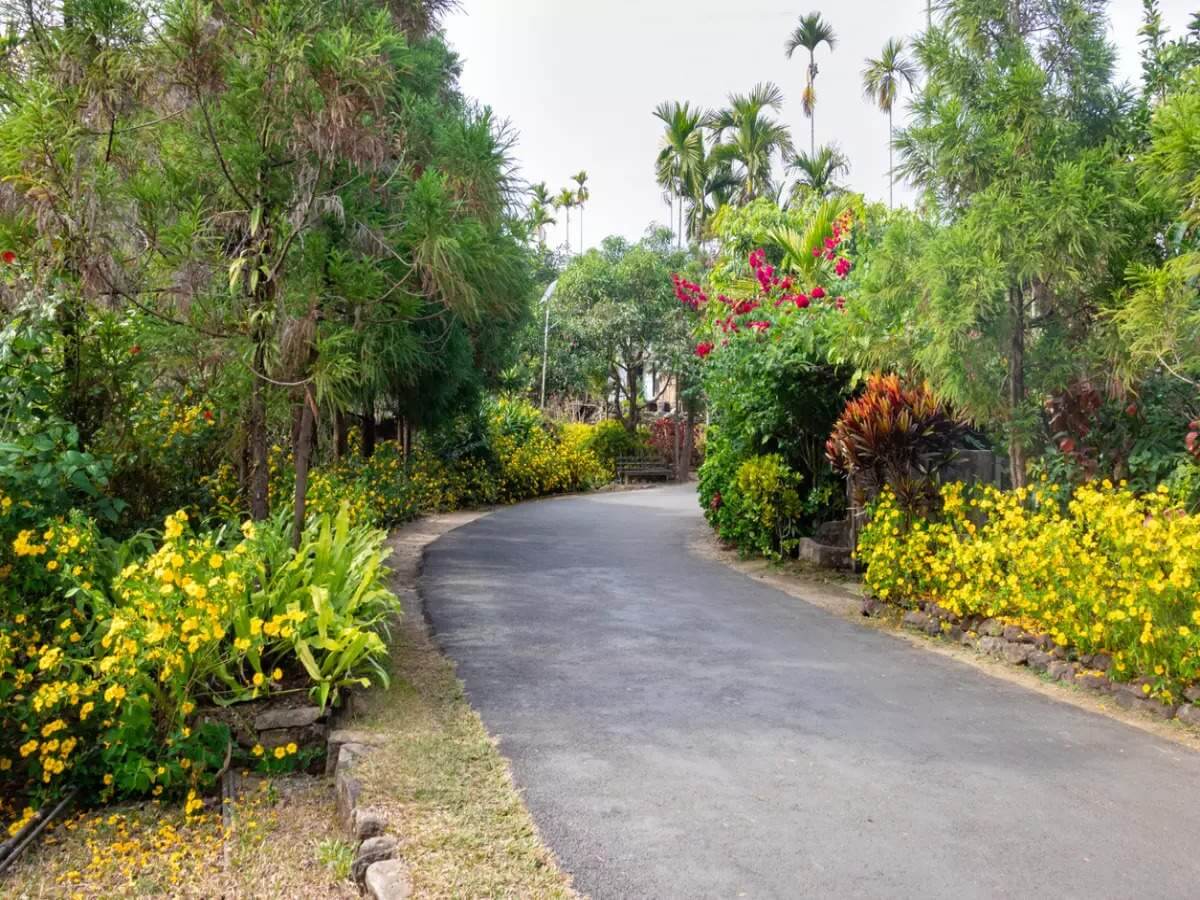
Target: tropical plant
(811, 32)
(582, 196)
(883, 78)
(565, 200)
(896, 436)
(818, 174)
(748, 139)
(679, 168)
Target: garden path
(682, 730)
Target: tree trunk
(631, 391)
(1016, 387)
(368, 435)
(676, 449)
(812, 119)
(689, 440)
(303, 452)
(339, 435)
(891, 163)
(256, 428)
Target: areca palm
(714, 187)
(681, 155)
(539, 218)
(882, 80)
(564, 201)
(582, 196)
(748, 138)
(811, 32)
(818, 173)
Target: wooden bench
(643, 468)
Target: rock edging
(1017, 647)
(377, 868)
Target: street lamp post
(546, 337)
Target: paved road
(681, 730)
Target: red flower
(840, 302)
(760, 326)
(208, 416)
(135, 350)
(818, 292)
(816, 251)
(703, 349)
(843, 267)
(9, 257)
(1067, 445)
(758, 258)
(801, 301)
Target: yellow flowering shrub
(106, 691)
(1099, 569)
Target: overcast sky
(579, 80)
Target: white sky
(579, 80)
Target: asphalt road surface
(682, 730)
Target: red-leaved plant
(896, 436)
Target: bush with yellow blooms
(1099, 568)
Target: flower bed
(1105, 574)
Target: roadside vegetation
(1039, 305)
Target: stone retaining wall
(1038, 652)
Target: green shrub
(753, 503)
(611, 440)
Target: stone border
(1039, 652)
(377, 867)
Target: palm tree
(882, 80)
(565, 200)
(747, 138)
(714, 187)
(582, 196)
(812, 32)
(541, 194)
(681, 154)
(818, 173)
(539, 218)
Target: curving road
(681, 730)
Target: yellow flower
(280, 752)
(216, 561)
(258, 679)
(292, 749)
(277, 675)
(258, 750)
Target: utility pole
(546, 337)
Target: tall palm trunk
(812, 118)
(891, 163)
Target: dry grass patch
(276, 849)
